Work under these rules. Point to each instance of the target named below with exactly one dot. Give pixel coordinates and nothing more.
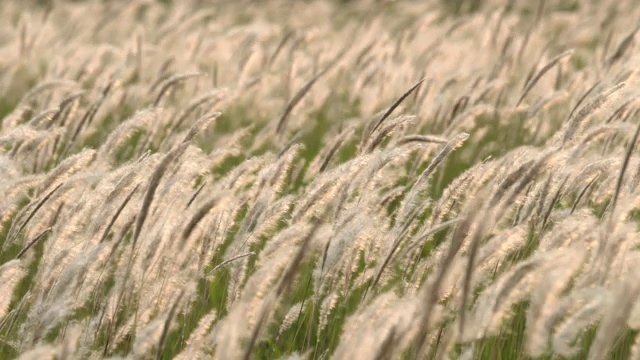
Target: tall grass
(348, 180)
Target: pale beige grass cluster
(436, 170)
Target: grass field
(319, 180)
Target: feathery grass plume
(33, 147)
(456, 190)
(542, 197)
(377, 137)
(45, 86)
(165, 328)
(534, 80)
(13, 233)
(419, 184)
(379, 328)
(210, 98)
(125, 130)
(11, 273)
(140, 220)
(582, 98)
(147, 338)
(431, 291)
(326, 159)
(474, 245)
(542, 305)
(88, 117)
(590, 311)
(553, 202)
(199, 215)
(422, 139)
(274, 56)
(494, 303)
(297, 97)
(492, 216)
(201, 124)
(509, 181)
(573, 124)
(420, 239)
(21, 135)
(44, 115)
(115, 216)
(272, 217)
(172, 81)
(583, 192)
(197, 340)
(290, 317)
(319, 196)
(543, 161)
(623, 169)
(622, 112)
(67, 168)
(64, 108)
(622, 47)
(390, 110)
(599, 132)
(281, 174)
(283, 285)
(496, 251)
(153, 185)
(32, 242)
(613, 321)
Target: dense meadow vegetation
(319, 179)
